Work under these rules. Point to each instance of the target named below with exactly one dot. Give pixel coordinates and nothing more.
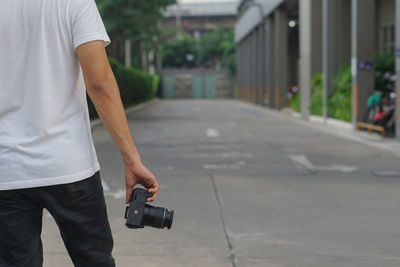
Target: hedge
(340, 100)
(135, 86)
(317, 94)
(295, 102)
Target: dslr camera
(139, 214)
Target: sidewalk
(345, 129)
(339, 128)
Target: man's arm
(103, 90)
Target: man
(52, 50)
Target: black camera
(139, 214)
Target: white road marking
(219, 146)
(212, 133)
(303, 162)
(220, 155)
(120, 194)
(337, 168)
(387, 173)
(235, 166)
(260, 237)
(106, 188)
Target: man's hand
(137, 173)
(103, 90)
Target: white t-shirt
(45, 135)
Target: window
(387, 39)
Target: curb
(97, 122)
(336, 128)
(330, 121)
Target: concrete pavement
(241, 198)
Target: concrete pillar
(280, 56)
(270, 92)
(336, 43)
(253, 72)
(310, 49)
(256, 66)
(247, 59)
(260, 61)
(329, 37)
(363, 51)
(239, 80)
(397, 115)
(250, 67)
(343, 20)
(263, 63)
(241, 70)
(255, 63)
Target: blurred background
(270, 125)
(281, 54)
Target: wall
(385, 14)
(197, 84)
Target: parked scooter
(381, 106)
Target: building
(198, 18)
(284, 43)
(267, 50)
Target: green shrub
(135, 86)
(339, 105)
(317, 95)
(384, 62)
(339, 102)
(295, 102)
(114, 63)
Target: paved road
(250, 187)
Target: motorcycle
(381, 106)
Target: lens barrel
(157, 217)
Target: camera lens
(157, 217)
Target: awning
(253, 16)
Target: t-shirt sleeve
(87, 25)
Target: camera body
(139, 214)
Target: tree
(229, 53)
(132, 20)
(180, 53)
(214, 49)
(217, 48)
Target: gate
(196, 84)
(168, 86)
(203, 86)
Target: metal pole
(128, 56)
(354, 68)
(267, 60)
(325, 70)
(397, 69)
(305, 32)
(178, 19)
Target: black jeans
(79, 210)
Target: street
(250, 187)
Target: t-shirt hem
(92, 37)
(40, 182)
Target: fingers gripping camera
(139, 214)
